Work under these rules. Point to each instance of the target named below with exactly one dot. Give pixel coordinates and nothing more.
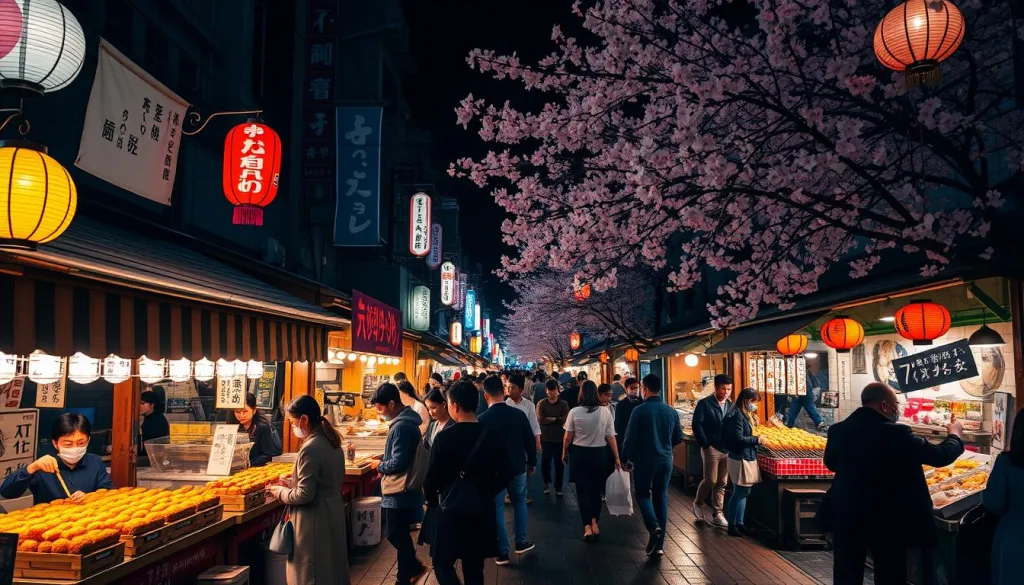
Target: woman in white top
(409, 398)
(589, 433)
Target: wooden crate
(185, 526)
(30, 565)
(243, 503)
(210, 516)
(143, 543)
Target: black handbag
(462, 498)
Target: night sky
(443, 32)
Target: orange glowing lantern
(792, 344)
(916, 36)
(252, 169)
(922, 322)
(603, 357)
(580, 291)
(842, 334)
(574, 340)
(632, 355)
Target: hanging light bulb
(372, 361)
(83, 369)
(362, 358)
(151, 371)
(179, 370)
(116, 369)
(254, 370)
(351, 357)
(43, 368)
(8, 367)
(691, 360)
(204, 370)
(225, 369)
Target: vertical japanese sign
(419, 225)
(357, 215)
(18, 432)
(52, 395)
(10, 394)
(132, 130)
(376, 327)
(470, 302)
(448, 284)
(419, 305)
(460, 290)
(318, 124)
(222, 451)
(230, 391)
(434, 257)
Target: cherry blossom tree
(760, 139)
(545, 312)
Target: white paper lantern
(372, 361)
(179, 370)
(203, 370)
(42, 46)
(691, 360)
(225, 369)
(351, 357)
(254, 370)
(116, 369)
(8, 367)
(43, 368)
(151, 371)
(362, 358)
(83, 369)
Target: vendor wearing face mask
(82, 472)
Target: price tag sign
(222, 451)
(935, 366)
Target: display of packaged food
(254, 479)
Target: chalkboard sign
(264, 386)
(935, 366)
(222, 450)
(8, 550)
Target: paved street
(693, 555)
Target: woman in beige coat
(320, 556)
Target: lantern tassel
(248, 215)
(924, 74)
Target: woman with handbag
(315, 509)
(466, 472)
(738, 435)
(1004, 495)
(589, 434)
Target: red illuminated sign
(376, 327)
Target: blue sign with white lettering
(470, 317)
(357, 213)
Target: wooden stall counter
(361, 480)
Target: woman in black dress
(455, 534)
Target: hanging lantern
(916, 36)
(603, 357)
(574, 340)
(455, 333)
(8, 367)
(632, 355)
(116, 369)
(252, 168)
(151, 371)
(922, 322)
(44, 368)
(842, 334)
(204, 370)
(37, 194)
(83, 369)
(225, 369)
(179, 370)
(42, 46)
(254, 370)
(351, 357)
(691, 360)
(791, 344)
(580, 291)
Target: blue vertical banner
(470, 317)
(357, 215)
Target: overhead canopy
(439, 357)
(763, 336)
(673, 347)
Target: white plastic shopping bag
(617, 496)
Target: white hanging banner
(132, 129)
(434, 256)
(419, 224)
(52, 395)
(448, 284)
(419, 305)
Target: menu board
(264, 386)
(935, 366)
(18, 437)
(222, 451)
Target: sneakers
(654, 542)
(821, 426)
(733, 531)
(558, 493)
(502, 560)
(659, 553)
(698, 512)
(547, 489)
(524, 547)
(529, 501)
(719, 520)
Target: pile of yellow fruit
(250, 480)
(784, 438)
(64, 527)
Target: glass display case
(192, 454)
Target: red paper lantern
(581, 292)
(842, 334)
(792, 344)
(574, 340)
(603, 357)
(922, 322)
(916, 36)
(252, 170)
(632, 355)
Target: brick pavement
(694, 555)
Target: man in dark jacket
(571, 394)
(707, 428)
(879, 498)
(653, 432)
(624, 409)
(521, 447)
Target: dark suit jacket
(707, 423)
(738, 437)
(879, 492)
(514, 429)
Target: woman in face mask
(738, 435)
(82, 472)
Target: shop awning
(670, 348)
(102, 290)
(763, 336)
(439, 357)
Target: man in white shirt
(515, 399)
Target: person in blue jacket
(653, 432)
(82, 472)
(400, 510)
